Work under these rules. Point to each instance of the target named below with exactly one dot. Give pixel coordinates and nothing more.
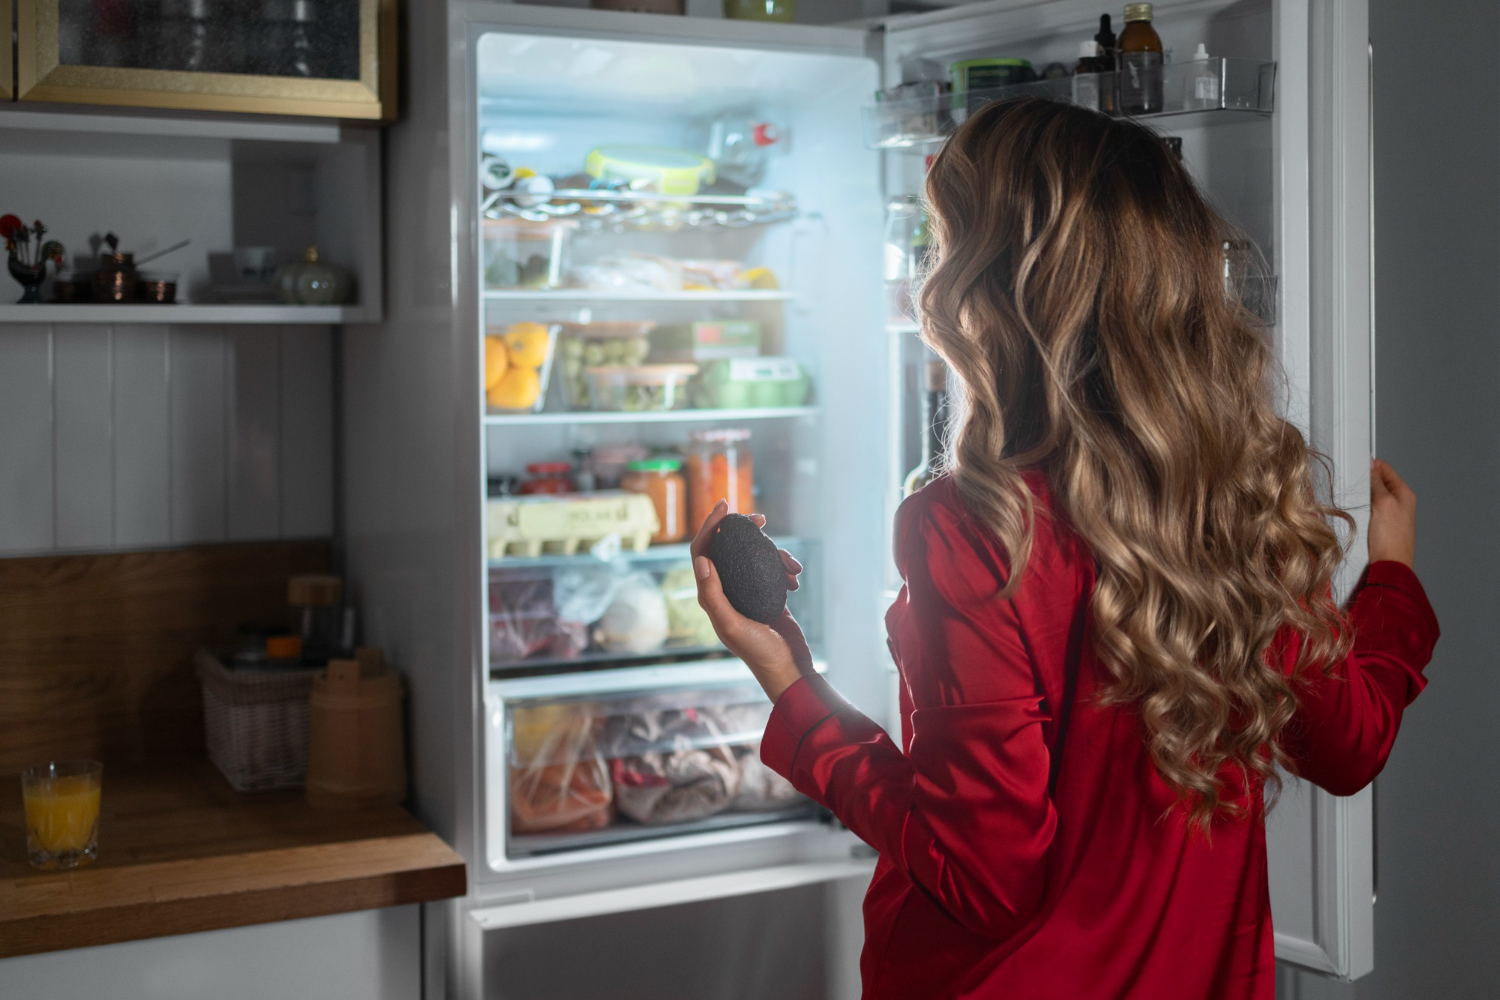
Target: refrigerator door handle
(657, 894)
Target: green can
(971, 75)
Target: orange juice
(62, 813)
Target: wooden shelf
(180, 851)
(647, 417)
(186, 313)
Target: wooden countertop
(182, 851)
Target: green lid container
(657, 463)
(970, 75)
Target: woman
(1116, 619)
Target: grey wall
(1437, 282)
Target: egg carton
(564, 524)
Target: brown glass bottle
(1138, 64)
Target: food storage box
(639, 388)
(706, 340)
(753, 383)
(590, 345)
(519, 253)
(517, 364)
(644, 755)
(564, 523)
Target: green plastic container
(750, 383)
(761, 10)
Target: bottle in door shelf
(720, 467)
(1087, 76)
(1200, 83)
(1139, 73)
(934, 425)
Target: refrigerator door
(1297, 182)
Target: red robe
(1029, 849)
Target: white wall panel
(200, 439)
(254, 497)
(26, 491)
(306, 432)
(139, 435)
(83, 446)
(142, 437)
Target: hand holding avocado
(733, 545)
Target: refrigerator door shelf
(1209, 91)
(586, 295)
(689, 416)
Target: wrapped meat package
(761, 789)
(698, 777)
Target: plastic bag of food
(687, 622)
(524, 622)
(695, 780)
(559, 782)
(636, 619)
(761, 789)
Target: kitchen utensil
(156, 287)
(162, 253)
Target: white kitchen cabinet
(364, 955)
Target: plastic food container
(639, 388)
(751, 383)
(661, 479)
(517, 365)
(588, 345)
(519, 253)
(720, 467)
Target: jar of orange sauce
(720, 467)
(661, 479)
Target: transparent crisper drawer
(589, 770)
(618, 608)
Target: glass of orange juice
(62, 812)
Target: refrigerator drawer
(590, 761)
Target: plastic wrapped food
(559, 782)
(524, 622)
(679, 785)
(761, 789)
(687, 622)
(636, 619)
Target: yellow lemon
(527, 343)
(517, 389)
(760, 277)
(495, 361)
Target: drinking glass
(62, 812)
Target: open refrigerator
(664, 325)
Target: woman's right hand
(1393, 516)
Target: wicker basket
(255, 723)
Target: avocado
(750, 569)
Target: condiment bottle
(661, 479)
(548, 477)
(1087, 76)
(1139, 73)
(1200, 87)
(720, 467)
(1105, 39)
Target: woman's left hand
(776, 654)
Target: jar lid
(1137, 12)
(716, 435)
(548, 468)
(660, 463)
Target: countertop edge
(143, 919)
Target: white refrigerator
(573, 732)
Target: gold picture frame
(7, 64)
(40, 76)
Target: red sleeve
(966, 816)
(1346, 721)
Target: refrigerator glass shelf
(648, 417)
(588, 295)
(645, 211)
(536, 845)
(677, 552)
(1207, 92)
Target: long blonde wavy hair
(1077, 292)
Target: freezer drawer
(591, 761)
